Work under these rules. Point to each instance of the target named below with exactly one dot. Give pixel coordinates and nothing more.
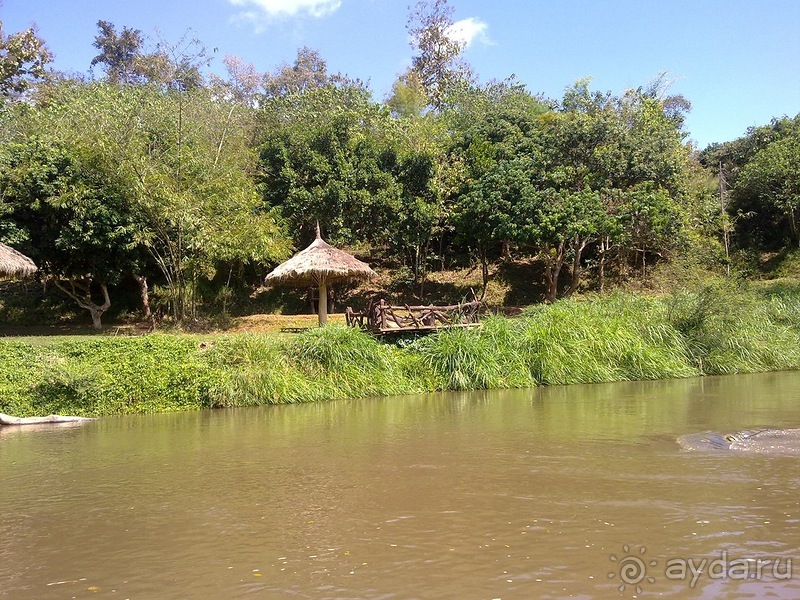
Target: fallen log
(9, 420)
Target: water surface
(543, 493)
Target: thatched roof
(320, 262)
(15, 264)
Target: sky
(736, 61)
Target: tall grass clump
(465, 359)
(620, 337)
(737, 329)
(782, 301)
(253, 369)
(348, 362)
(319, 364)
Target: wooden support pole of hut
(322, 302)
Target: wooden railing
(382, 319)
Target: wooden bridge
(383, 319)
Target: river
(562, 492)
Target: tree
(419, 214)
(327, 156)
(408, 97)
(242, 84)
(600, 173)
(183, 168)
(421, 217)
(308, 72)
(486, 214)
(76, 224)
(23, 58)
(754, 168)
(120, 53)
(332, 155)
(127, 60)
(561, 224)
(650, 222)
(629, 151)
(192, 169)
(770, 182)
(495, 150)
(437, 63)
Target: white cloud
(468, 31)
(260, 9)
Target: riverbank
(717, 330)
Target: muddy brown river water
(568, 492)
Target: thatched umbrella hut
(320, 264)
(15, 264)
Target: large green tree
(120, 54)
(599, 174)
(309, 71)
(73, 221)
(327, 156)
(494, 152)
(183, 162)
(757, 178)
(770, 184)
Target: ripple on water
(779, 442)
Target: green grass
(722, 328)
(319, 364)
(468, 359)
(738, 330)
(615, 338)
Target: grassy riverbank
(717, 330)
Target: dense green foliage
(761, 183)
(104, 376)
(716, 330)
(190, 184)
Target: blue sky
(737, 61)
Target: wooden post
(323, 303)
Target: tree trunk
(601, 266)
(144, 295)
(81, 293)
(484, 270)
(578, 246)
(644, 263)
(554, 261)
